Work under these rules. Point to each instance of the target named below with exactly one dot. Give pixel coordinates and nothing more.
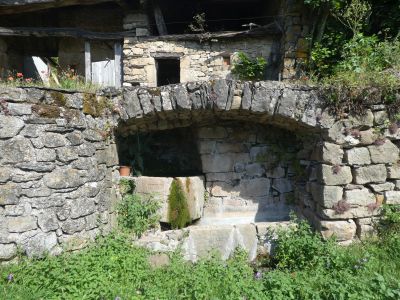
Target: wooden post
(88, 62)
(118, 64)
(158, 16)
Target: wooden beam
(158, 16)
(34, 5)
(118, 64)
(63, 32)
(264, 31)
(88, 62)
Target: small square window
(168, 71)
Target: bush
(299, 248)
(367, 74)
(246, 68)
(390, 220)
(178, 210)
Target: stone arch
(237, 170)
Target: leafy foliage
(390, 221)
(178, 210)
(307, 268)
(354, 15)
(298, 248)
(135, 213)
(246, 68)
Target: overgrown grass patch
(305, 267)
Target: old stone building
(247, 152)
(147, 43)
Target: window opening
(168, 71)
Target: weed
(379, 141)
(246, 68)
(136, 213)
(393, 128)
(341, 207)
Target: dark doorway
(168, 71)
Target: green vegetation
(304, 267)
(59, 79)
(94, 105)
(136, 214)
(246, 68)
(356, 53)
(178, 210)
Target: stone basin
(159, 187)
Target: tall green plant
(178, 210)
(246, 68)
(135, 213)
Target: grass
(305, 267)
(65, 80)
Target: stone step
(227, 216)
(198, 241)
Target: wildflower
(28, 80)
(10, 78)
(258, 275)
(117, 298)
(10, 277)
(20, 75)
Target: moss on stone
(59, 98)
(46, 111)
(178, 210)
(93, 105)
(187, 182)
(155, 91)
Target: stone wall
(358, 171)
(58, 158)
(249, 172)
(295, 46)
(199, 61)
(56, 173)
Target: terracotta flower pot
(124, 171)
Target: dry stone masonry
(58, 160)
(198, 61)
(56, 173)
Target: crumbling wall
(199, 61)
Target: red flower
(19, 75)
(29, 80)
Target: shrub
(137, 214)
(126, 186)
(178, 210)
(366, 74)
(299, 247)
(390, 220)
(246, 68)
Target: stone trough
(159, 188)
